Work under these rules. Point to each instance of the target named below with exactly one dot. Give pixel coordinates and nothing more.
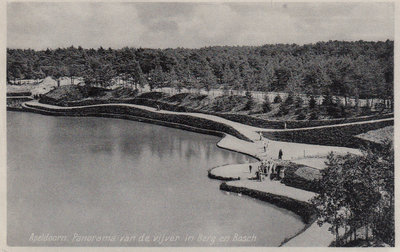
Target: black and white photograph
(199, 124)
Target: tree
(330, 202)
(250, 101)
(135, 74)
(285, 106)
(312, 103)
(298, 101)
(357, 191)
(289, 99)
(74, 70)
(105, 75)
(277, 99)
(266, 106)
(346, 69)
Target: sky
(192, 25)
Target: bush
(334, 111)
(301, 116)
(298, 102)
(278, 99)
(327, 100)
(289, 100)
(312, 102)
(266, 106)
(250, 101)
(314, 116)
(283, 109)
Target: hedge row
(178, 121)
(261, 123)
(337, 136)
(305, 210)
(16, 102)
(315, 123)
(252, 121)
(19, 93)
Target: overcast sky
(193, 25)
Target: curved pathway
(314, 235)
(290, 150)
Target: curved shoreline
(278, 200)
(143, 116)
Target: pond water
(108, 182)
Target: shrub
(250, 101)
(327, 100)
(312, 102)
(278, 99)
(301, 116)
(283, 110)
(314, 116)
(334, 111)
(298, 102)
(289, 100)
(266, 106)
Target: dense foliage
(350, 69)
(358, 192)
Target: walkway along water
(314, 235)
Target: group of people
(268, 168)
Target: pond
(75, 181)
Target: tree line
(357, 69)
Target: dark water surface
(109, 182)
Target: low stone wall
(305, 210)
(213, 176)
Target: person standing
(280, 154)
(250, 168)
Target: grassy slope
(232, 107)
(379, 135)
(229, 107)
